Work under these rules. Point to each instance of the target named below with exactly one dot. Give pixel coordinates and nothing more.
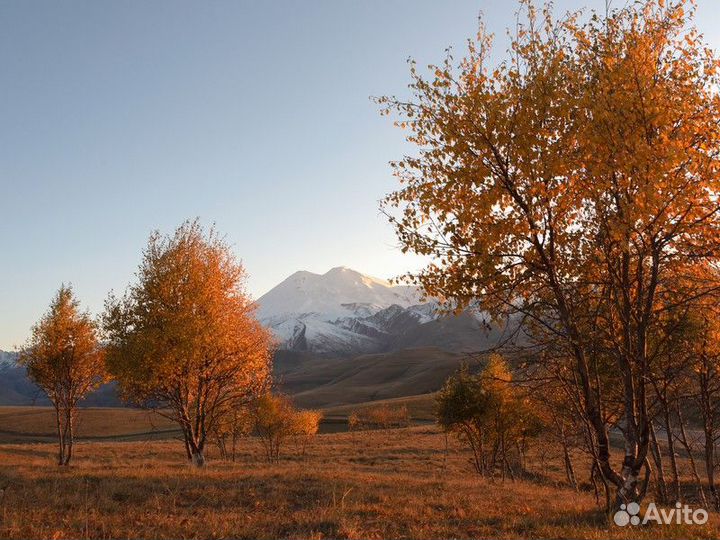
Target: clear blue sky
(117, 118)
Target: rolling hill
(323, 382)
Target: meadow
(400, 483)
(37, 424)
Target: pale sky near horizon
(118, 118)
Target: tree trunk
(223, 448)
(671, 452)
(198, 456)
(234, 443)
(475, 446)
(521, 456)
(595, 473)
(705, 378)
(569, 469)
(61, 439)
(646, 480)
(657, 457)
(69, 438)
(481, 450)
(710, 468)
(688, 449)
(187, 445)
(194, 448)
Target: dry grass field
(420, 408)
(379, 484)
(36, 424)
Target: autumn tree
(706, 371)
(695, 394)
(273, 421)
(573, 185)
(226, 432)
(305, 427)
(184, 339)
(490, 415)
(63, 357)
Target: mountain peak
(325, 294)
(348, 274)
(8, 359)
(340, 269)
(333, 312)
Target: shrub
(274, 420)
(305, 426)
(226, 432)
(490, 415)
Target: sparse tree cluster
(182, 341)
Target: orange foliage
(575, 184)
(184, 338)
(63, 358)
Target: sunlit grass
(381, 484)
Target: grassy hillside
(421, 408)
(323, 382)
(383, 484)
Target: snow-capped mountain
(337, 293)
(346, 313)
(341, 312)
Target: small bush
(275, 420)
(227, 431)
(489, 414)
(306, 426)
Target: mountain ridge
(344, 313)
(341, 312)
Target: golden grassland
(22, 424)
(37, 424)
(420, 408)
(403, 483)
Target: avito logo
(682, 514)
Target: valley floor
(406, 483)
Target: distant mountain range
(343, 337)
(345, 313)
(8, 359)
(17, 389)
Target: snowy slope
(337, 293)
(8, 359)
(339, 312)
